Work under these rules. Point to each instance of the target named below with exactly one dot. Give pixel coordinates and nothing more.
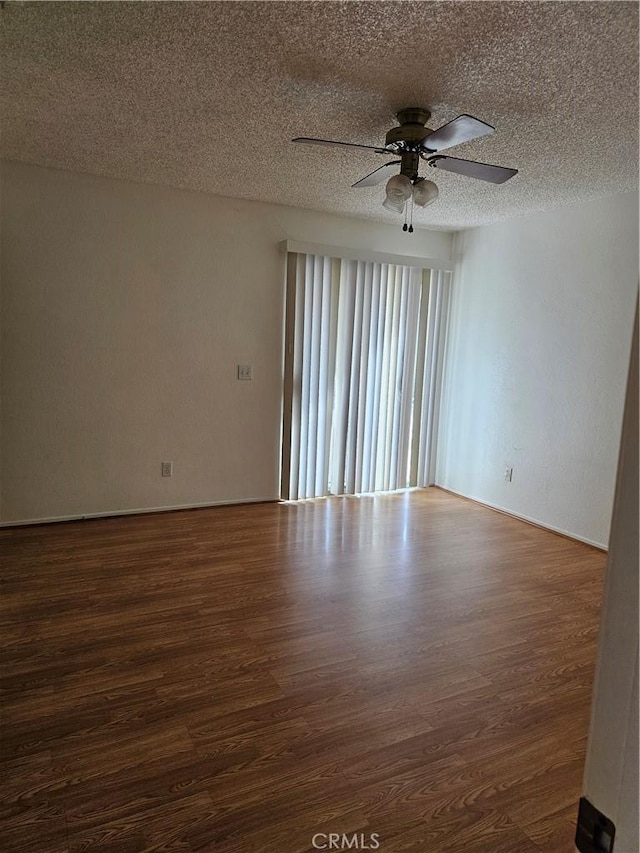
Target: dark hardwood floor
(243, 679)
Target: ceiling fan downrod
(409, 164)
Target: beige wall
(541, 322)
(125, 310)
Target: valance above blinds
(362, 375)
(376, 256)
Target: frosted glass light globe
(424, 192)
(398, 190)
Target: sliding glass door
(364, 346)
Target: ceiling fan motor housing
(411, 132)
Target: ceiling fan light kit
(413, 141)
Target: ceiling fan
(412, 141)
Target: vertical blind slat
(315, 301)
(354, 390)
(306, 373)
(398, 376)
(319, 487)
(419, 379)
(363, 378)
(346, 311)
(409, 374)
(425, 437)
(390, 395)
(379, 350)
(370, 419)
(296, 398)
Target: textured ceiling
(207, 96)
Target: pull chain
(411, 217)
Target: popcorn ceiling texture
(208, 95)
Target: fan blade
(461, 129)
(331, 142)
(378, 175)
(482, 171)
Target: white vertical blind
(364, 367)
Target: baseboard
(154, 509)
(533, 521)
(139, 511)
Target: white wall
(125, 310)
(538, 353)
(611, 768)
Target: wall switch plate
(245, 371)
(595, 833)
(166, 469)
(508, 474)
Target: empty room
(319, 427)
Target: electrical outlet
(166, 469)
(245, 371)
(508, 474)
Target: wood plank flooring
(241, 679)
